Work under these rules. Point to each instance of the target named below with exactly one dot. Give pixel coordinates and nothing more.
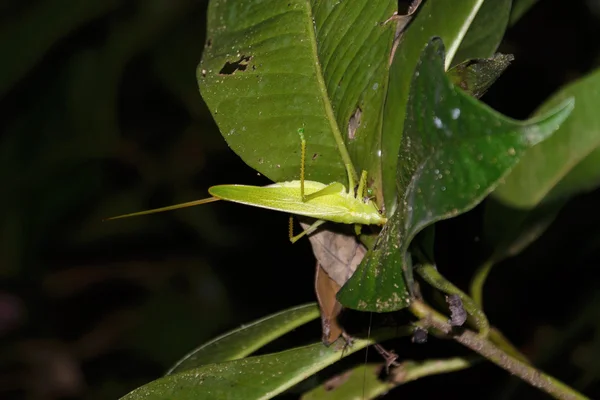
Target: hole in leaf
(354, 123)
(231, 67)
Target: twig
(431, 318)
(478, 281)
(505, 345)
(431, 275)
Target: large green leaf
(550, 173)
(449, 20)
(485, 32)
(270, 67)
(261, 377)
(245, 340)
(454, 152)
(363, 382)
(560, 167)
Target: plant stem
(479, 280)
(431, 318)
(505, 345)
(432, 276)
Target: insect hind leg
(362, 185)
(302, 161)
(307, 231)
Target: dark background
(100, 115)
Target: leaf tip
(543, 127)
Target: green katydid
(306, 198)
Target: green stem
(432, 276)
(431, 318)
(479, 280)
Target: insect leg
(307, 231)
(303, 157)
(351, 177)
(362, 185)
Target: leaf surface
(567, 163)
(271, 67)
(549, 174)
(240, 342)
(450, 21)
(485, 32)
(260, 377)
(454, 152)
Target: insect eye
(369, 195)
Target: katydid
(306, 198)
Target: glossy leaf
(360, 383)
(382, 280)
(363, 382)
(552, 170)
(563, 166)
(454, 152)
(485, 32)
(261, 377)
(270, 67)
(240, 342)
(449, 20)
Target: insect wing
(286, 197)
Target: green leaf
(485, 32)
(584, 177)
(476, 76)
(261, 377)
(362, 382)
(270, 67)
(454, 152)
(560, 167)
(379, 283)
(449, 20)
(549, 174)
(240, 342)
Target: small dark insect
(458, 315)
(419, 335)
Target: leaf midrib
(337, 135)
